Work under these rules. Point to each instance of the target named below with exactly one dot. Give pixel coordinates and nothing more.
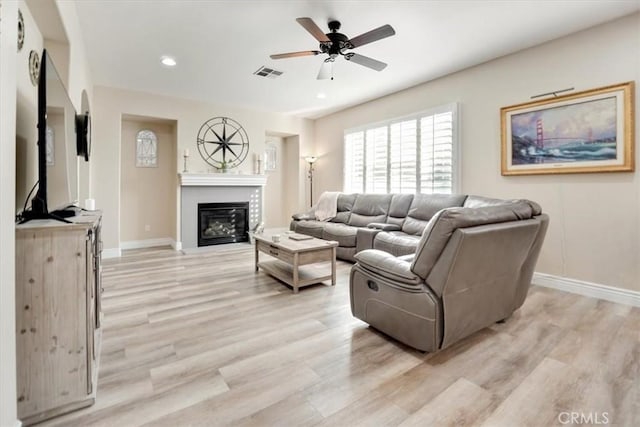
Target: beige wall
(71, 62)
(111, 104)
(26, 112)
(295, 176)
(148, 198)
(594, 233)
(80, 80)
(275, 190)
(8, 85)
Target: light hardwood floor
(203, 340)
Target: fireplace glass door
(220, 223)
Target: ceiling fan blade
(366, 61)
(372, 36)
(313, 29)
(295, 54)
(326, 70)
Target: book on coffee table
(300, 237)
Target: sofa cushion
(370, 208)
(345, 204)
(310, 228)
(397, 243)
(425, 206)
(444, 223)
(344, 234)
(399, 208)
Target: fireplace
(220, 223)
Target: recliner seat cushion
(396, 242)
(345, 235)
(311, 227)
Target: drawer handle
(274, 253)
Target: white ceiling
(220, 44)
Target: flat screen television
(57, 192)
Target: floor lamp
(311, 160)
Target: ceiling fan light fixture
(168, 61)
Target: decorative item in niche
(20, 30)
(146, 149)
(50, 155)
(223, 143)
(34, 67)
(271, 153)
(589, 131)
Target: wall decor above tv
(588, 131)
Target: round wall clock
(223, 143)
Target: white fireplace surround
(222, 179)
(198, 188)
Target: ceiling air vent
(268, 72)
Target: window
(49, 146)
(146, 149)
(416, 154)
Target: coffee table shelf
(297, 263)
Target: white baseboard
(176, 245)
(147, 243)
(111, 253)
(594, 290)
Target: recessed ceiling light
(321, 95)
(168, 61)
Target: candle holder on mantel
(186, 156)
(258, 163)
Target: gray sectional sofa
(389, 222)
(433, 269)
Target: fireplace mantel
(196, 188)
(222, 180)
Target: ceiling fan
(335, 44)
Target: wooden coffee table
(295, 259)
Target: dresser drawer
(274, 251)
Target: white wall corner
(588, 289)
(111, 253)
(8, 89)
(176, 245)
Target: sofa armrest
(387, 265)
(365, 238)
(309, 215)
(384, 226)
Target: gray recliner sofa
(472, 267)
(390, 222)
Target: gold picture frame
(588, 131)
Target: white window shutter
(412, 155)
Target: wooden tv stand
(58, 287)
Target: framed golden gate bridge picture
(589, 131)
